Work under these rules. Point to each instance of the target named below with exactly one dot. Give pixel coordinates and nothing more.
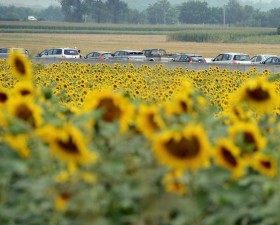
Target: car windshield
(71, 52)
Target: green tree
(52, 13)
(117, 11)
(96, 9)
(72, 10)
(194, 12)
(161, 13)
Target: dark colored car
(4, 52)
(273, 60)
(102, 55)
(156, 54)
(188, 58)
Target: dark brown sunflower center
(152, 123)
(183, 149)
(24, 113)
(20, 66)
(69, 146)
(25, 92)
(112, 112)
(258, 94)
(227, 155)
(3, 97)
(266, 164)
(65, 196)
(250, 140)
(184, 106)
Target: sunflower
(247, 136)
(24, 89)
(227, 155)
(149, 120)
(25, 111)
(62, 201)
(19, 143)
(20, 65)
(4, 96)
(67, 144)
(265, 164)
(173, 183)
(114, 106)
(259, 94)
(186, 149)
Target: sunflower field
(84, 144)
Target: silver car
(129, 55)
(67, 53)
(4, 52)
(257, 59)
(232, 58)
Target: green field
(185, 33)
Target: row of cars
(161, 55)
(152, 55)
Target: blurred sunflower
(227, 155)
(247, 136)
(19, 143)
(67, 144)
(20, 65)
(116, 108)
(149, 120)
(25, 111)
(62, 201)
(259, 94)
(265, 164)
(173, 183)
(4, 96)
(24, 89)
(186, 149)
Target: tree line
(161, 12)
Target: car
(273, 60)
(232, 58)
(100, 55)
(156, 54)
(67, 53)
(4, 52)
(188, 58)
(128, 55)
(257, 59)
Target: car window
(269, 60)
(71, 52)
(57, 51)
(241, 57)
(219, 57)
(3, 50)
(259, 58)
(50, 52)
(227, 57)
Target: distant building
(31, 18)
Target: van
(62, 53)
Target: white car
(232, 58)
(67, 53)
(258, 59)
(129, 55)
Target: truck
(157, 54)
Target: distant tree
(274, 17)
(15, 13)
(72, 10)
(52, 13)
(194, 12)
(117, 11)
(96, 9)
(234, 12)
(278, 29)
(161, 12)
